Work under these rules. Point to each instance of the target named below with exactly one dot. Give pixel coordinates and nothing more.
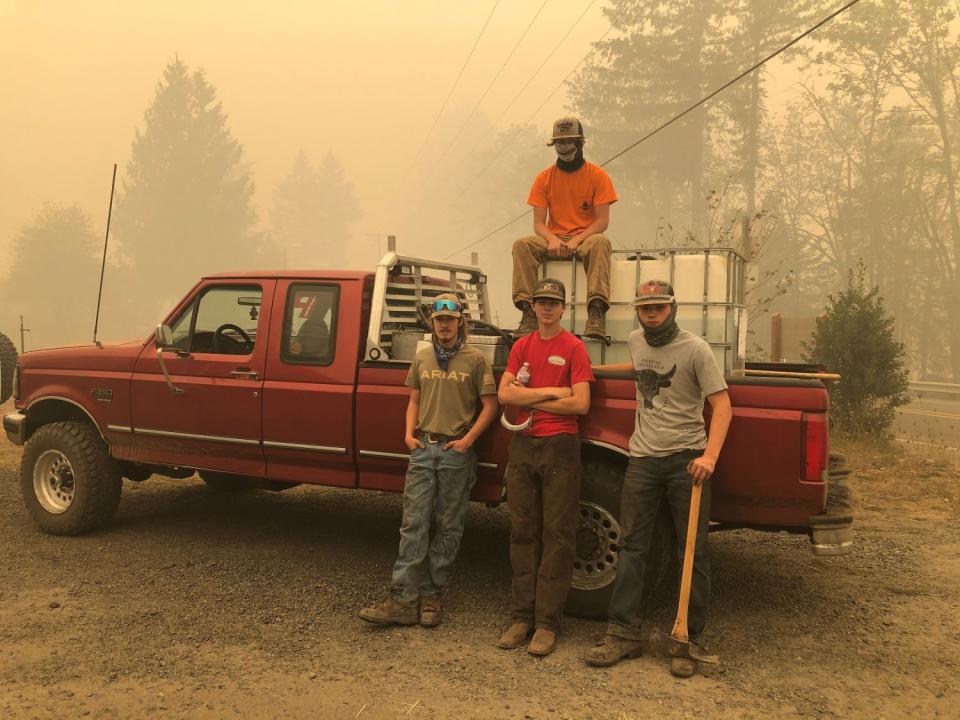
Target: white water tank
(708, 284)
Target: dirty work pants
(593, 252)
(438, 485)
(543, 491)
(647, 480)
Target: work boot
(528, 323)
(543, 642)
(683, 667)
(390, 612)
(596, 326)
(430, 611)
(611, 650)
(514, 636)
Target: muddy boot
(391, 612)
(528, 323)
(430, 611)
(683, 667)
(596, 320)
(611, 650)
(514, 636)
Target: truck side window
(310, 324)
(222, 321)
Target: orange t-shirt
(571, 198)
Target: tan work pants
(593, 252)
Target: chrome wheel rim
(598, 538)
(53, 482)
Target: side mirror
(164, 337)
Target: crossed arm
(560, 400)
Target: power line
(495, 77)
(692, 107)
(452, 87)
(536, 72)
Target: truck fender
(55, 408)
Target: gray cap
(654, 292)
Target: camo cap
(654, 292)
(566, 127)
(550, 288)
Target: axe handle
(680, 630)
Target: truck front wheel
(599, 538)
(70, 484)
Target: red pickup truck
(284, 378)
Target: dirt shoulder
(201, 605)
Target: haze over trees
(313, 213)
(861, 164)
(53, 279)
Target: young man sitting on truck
(543, 473)
(571, 209)
(448, 381)
(669, 453)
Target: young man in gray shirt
(670, 451)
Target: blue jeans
(647, 480)
(438, 486)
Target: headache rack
(402, 284)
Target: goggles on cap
(445, 304)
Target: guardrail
(921, 389)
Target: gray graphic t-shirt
(672, 382)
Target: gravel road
(196, 604)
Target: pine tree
(312, 213)
(185, 208)
(855, 339)
(53, 278)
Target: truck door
(213, 420)
(309, 389)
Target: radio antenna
(103, 264)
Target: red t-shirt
(561, 361)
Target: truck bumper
(15, 425)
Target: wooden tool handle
(680, 629)
(801, 375)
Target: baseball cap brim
(654, 300)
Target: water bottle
(523, 376)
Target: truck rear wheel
(70, 484)
(8, 364)
(598, 541)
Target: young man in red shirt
(543, 473)
(571, 202)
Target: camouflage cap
(566, 127)
(654, 292)
(550, 288)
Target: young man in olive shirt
(447, 381)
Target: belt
(434, 438)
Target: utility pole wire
(495, 77)
(690, 109)
(455, 82)
(530, 80)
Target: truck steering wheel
(219, 335)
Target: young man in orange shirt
(571, 209)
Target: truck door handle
(245, 373)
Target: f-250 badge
(102, 394)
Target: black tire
(8, 364)
(87, 474)
(601, 483)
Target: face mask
(566, 151)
